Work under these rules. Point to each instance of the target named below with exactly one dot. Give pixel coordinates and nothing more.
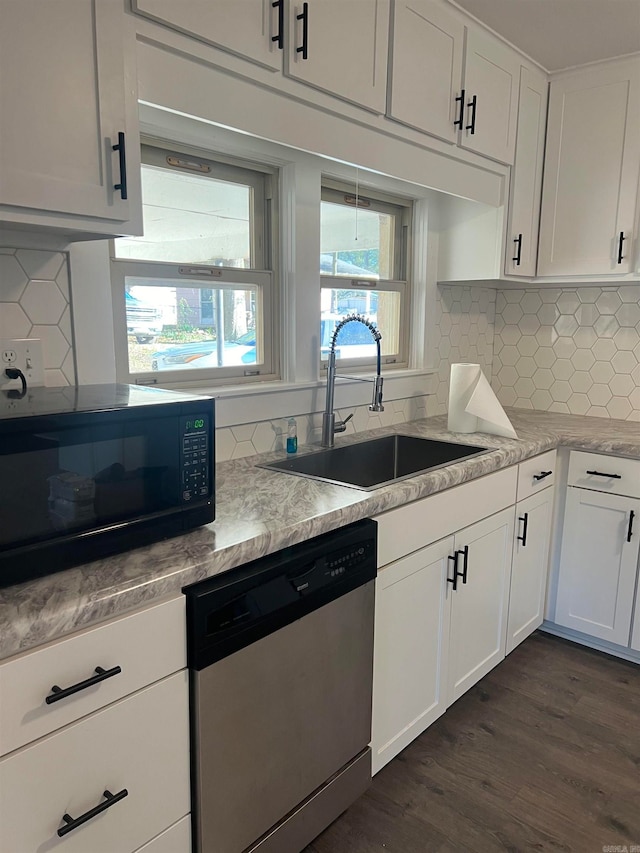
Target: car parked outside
(200, 354)
(144, 321)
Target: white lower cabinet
(94, 734)
(135, 750)
(480, 601)
(598, 564)
(411, 640)
(529, 566)
(449, 611)
(441, 609)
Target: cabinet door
(479, 606)
(491, 79)
(426, 67)
(591, 171)
(63, 101)
(345, 43)
(409, 664)
(529, 567)
(249, 28)
(526, 177)
(598, 565)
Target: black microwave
(92, 470)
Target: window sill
(240, 404)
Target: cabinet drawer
(604, 473)
(407, 528)
(176, 839)
(536, 474)
(147, 646)
(140, 744)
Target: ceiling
(563, 33)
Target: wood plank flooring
(543, 754)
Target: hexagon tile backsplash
(35, 303)
(575, 351)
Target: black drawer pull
(525, 522)
(610, 476)
(304, 17)
(58, 693)
(518, 255)
(74, 823)
(473, 103)
(460, 119)
(120, 148)
(279, 37)
(632, 515)
(621, 240)
(542, 475)
(454, 580)
(465, 563)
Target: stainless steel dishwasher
(281, 661)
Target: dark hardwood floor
(543, 754)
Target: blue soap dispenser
(292, 436)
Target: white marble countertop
(259, 512)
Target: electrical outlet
(24, 354)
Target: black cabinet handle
(122, 186)
(74, 823)
(632, 515)
(542, 475)
(465, 563)
(621, 240)
(279, 37)
(304, 17)
(58, 693)
(600, 474)
(454, 580)
(518, 241)
(525, 521)
(459, 120)
(473, 104)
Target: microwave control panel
(195, 458)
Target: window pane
(192, 219)
(362, 248)
(381, 307)
(172, 325)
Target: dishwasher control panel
(224, 612)
(327, 569)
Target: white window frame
(335, 192)
(262, 274)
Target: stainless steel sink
(377, 462)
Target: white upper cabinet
(426, 67)
(251, 28)
(338, 46)
(66, 100)
(491, 79)
(455, 82)
(341, 46)
(526, 176)
(591, 171)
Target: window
(194, 297)
(363, 269)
